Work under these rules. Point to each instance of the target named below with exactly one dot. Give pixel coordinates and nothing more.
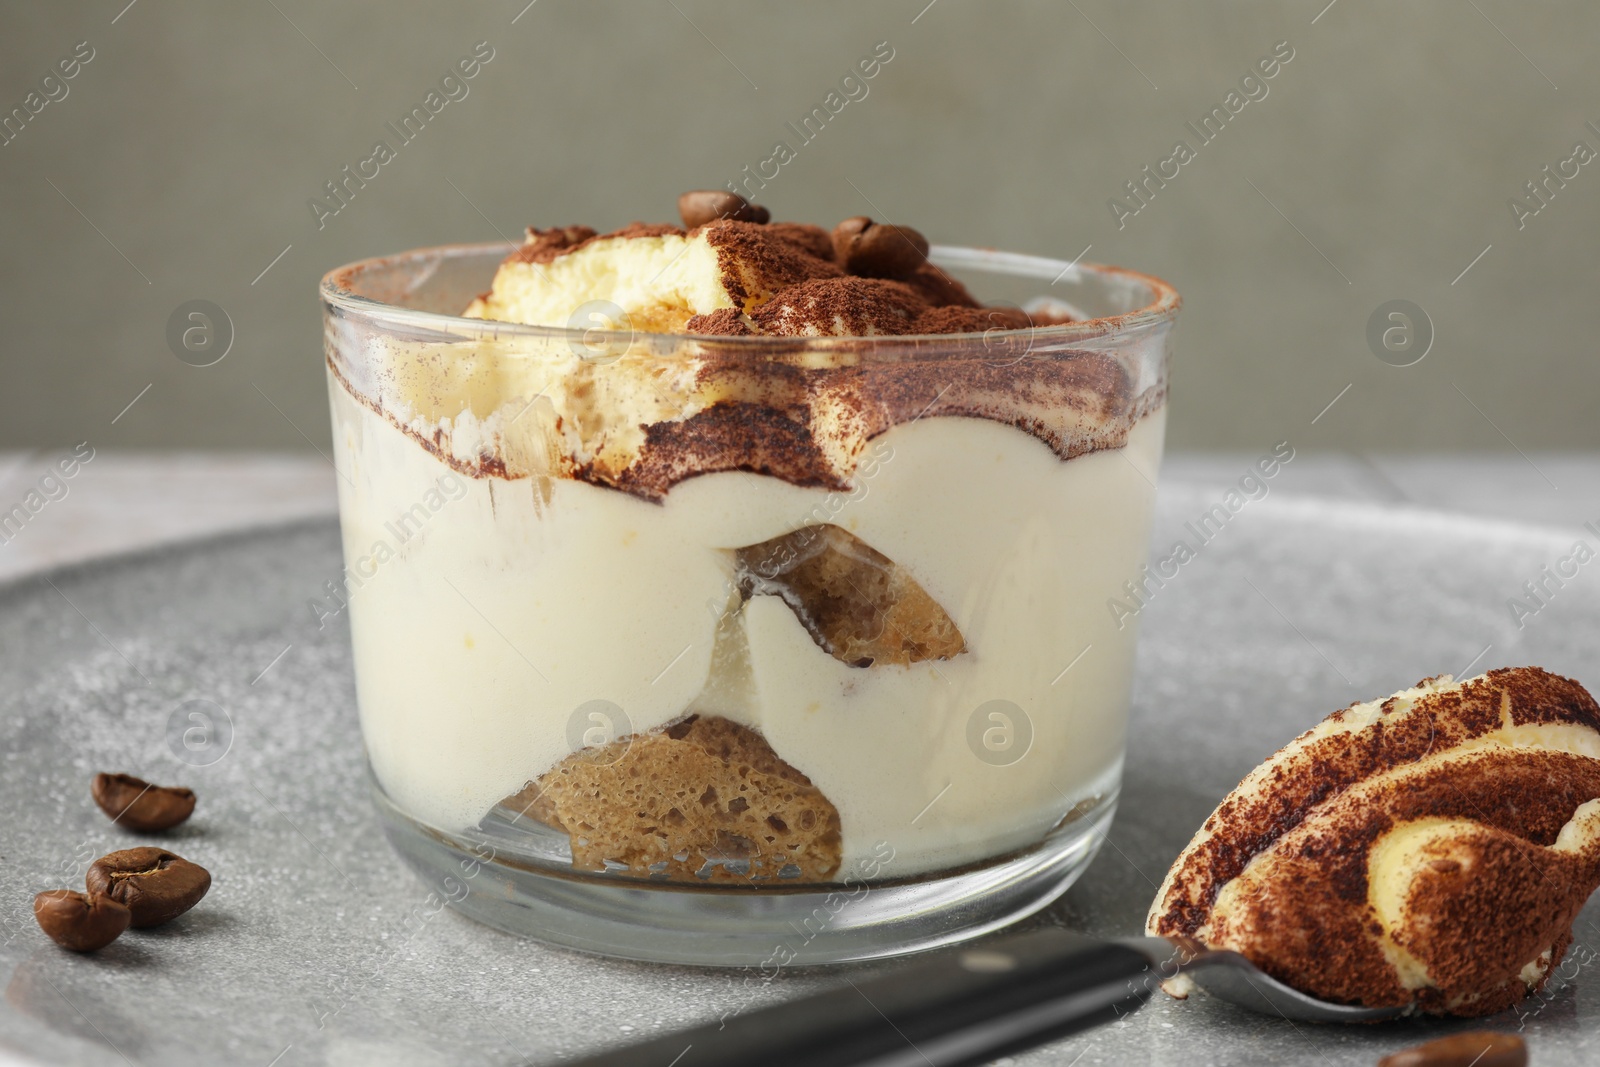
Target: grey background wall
(1378, 166)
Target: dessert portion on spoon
(1429, 851)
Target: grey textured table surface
(315, 946)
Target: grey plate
(315, 946)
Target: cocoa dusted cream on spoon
(1429, 851)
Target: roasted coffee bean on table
(1480, 1048)
(878, 250)
(700, 206)
(79, 922)
(138, 805)
(155, 885)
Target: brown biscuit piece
(858, 604)
(705, 800)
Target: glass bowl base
(485, 876)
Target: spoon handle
(952, 1009)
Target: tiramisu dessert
(1428, 851)
(756, 517)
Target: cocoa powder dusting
(785, 413)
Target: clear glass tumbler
(744, 651)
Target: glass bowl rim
(337, 292)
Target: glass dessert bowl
(734, 646)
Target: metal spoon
(969, 1007)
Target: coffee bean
(138, 805)
(877, 250)
(155, 885)
(846, 232)
(700, 206)
(81, 923)
(1481, 1048)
